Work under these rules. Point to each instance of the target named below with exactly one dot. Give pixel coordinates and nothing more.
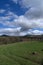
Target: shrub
(42, 62)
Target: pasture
(22, 53)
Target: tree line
(12, 39)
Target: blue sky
(10, 6)
(13, 7)
(21, 17)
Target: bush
(42, 62)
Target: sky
(21, 17)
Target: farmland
(22, 53)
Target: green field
(21, 53)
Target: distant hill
(4, 35)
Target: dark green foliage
(42, 62)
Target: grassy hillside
(22, 53)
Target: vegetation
(42, 62)
(4, 39)
(22, 53)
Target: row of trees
(12, 39)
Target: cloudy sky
(21, 17)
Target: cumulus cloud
(17, 32)
(8, 19)
(8, 16)
(31, 3)
(35, 32)
(33, 18)
(34, 13)
(26, 23)
(10, 31)
(11, 14)
(35, 7)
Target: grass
(21, 53)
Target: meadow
(22, 53)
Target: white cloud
(34, 13)
(35, 32)
(17, 32)
(23, 22)
(33, 18)
(2, 10)
(10, 31)
(8, 16)
(26, 23)
(11, 14)
(31, 3)
(8, 19)
(35, 7)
